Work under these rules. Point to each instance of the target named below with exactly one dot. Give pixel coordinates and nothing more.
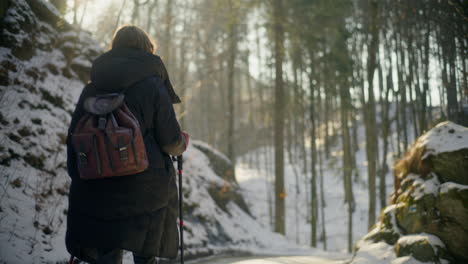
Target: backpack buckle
(123, 153)
(83, 158)
(102, 123)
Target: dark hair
(132, 37)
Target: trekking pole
(181, 219)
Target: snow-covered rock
(445, 137)
(427, 220)
(425, 247)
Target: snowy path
(270, 260)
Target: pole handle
(179, 162)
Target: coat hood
(120, 68)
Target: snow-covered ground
(272, 260)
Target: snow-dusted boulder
(221, 164)
(428, 217)
(423, 247)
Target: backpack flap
(103, 104)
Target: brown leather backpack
(107, 140)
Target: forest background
(303, 76)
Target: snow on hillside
(39, 86)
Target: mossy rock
(454, 238)
(451, 166)
(423, 247)
(222, 195)
(420, 250)
(387, 235)
(385, 229)
(452, 205)
(444, 215)
(414, 215)
(220, 164)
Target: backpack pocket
(121, 152)
(87, 155)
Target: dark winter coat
(136, 212)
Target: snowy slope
(38, 89)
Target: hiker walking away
(123, 194)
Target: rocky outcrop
(423, 247)
(218, 161)
(31, 29)
(428, 217)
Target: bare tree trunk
(75, 11)
(83, 14)
(150, 16)
(231, 69)
(117, 21)
(313, 150)
(425, 85)
(280, 192)
(411, 86)
(322, 199)
(327, 115)
(371, 132)
(385, 126)
(166, 50)
(402, 91)
(181, 81)
(347, 165)
(297, 192)
(297, 135)
(451, 87)
(135, 12)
